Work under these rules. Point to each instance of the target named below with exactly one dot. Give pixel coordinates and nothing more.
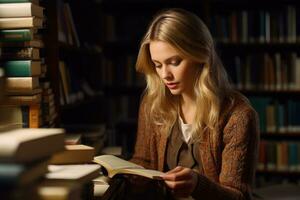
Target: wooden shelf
(295, 174)
(270, 92)
(257, 47)
(280, 136)
(250, 4)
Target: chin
(175, 92)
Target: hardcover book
(16, 84)
(74, 154)
(32, 43)
(12, 174)
(21, 22)
(22, 68)
(112, 165)
(82, 173)
(19, 53)
(25, 145)
(20, 10)
(16, 35)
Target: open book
(113, 165)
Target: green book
(13, 174)
(22, 68)
(16, 35)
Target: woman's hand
(182, 181)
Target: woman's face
(177, 72)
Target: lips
(172, 85)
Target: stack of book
(20, 44)
(24, 159)
(70, 174)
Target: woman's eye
(175, 62)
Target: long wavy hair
(187, 33)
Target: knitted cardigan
(228, 158)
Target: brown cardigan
(228, 158)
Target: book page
(112, 162)
(153, 174)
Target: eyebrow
(168, 59)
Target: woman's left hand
(182, 181)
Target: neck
(187, 108)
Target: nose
(165, 72)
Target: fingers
(179, 184)
(174, 170)
(182, 181)
(177, 174)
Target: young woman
(192, 124)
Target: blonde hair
(190, 36)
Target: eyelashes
(174, 62)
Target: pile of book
(24, 159)
(21, 45)
(36, 164)
(71, 173)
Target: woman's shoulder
(237, 106)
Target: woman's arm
(238, 164)
(141, 154)
(239, 156)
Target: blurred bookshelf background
(70, 64)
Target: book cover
(20, 1)
(32, 43)
(22, 99)
(81, 173)
(22, 68)
(20, 10)
(74, 154)
(19, 53)
(21, 22)
(56, 190)
(16, 35)
(25, 145)
(16, 84)
(12, 174)
(112, 165)
(25, 94)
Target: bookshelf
(256, 42)
(259, 45)
(104, 87)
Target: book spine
(17, 35)
(34, 116)
(20, 22)
(18, 68)
(15, 10)
(16, 1)
(21, 83)
(19, 53)
(22, 99)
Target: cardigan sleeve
(239, 155)
(141, 154)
